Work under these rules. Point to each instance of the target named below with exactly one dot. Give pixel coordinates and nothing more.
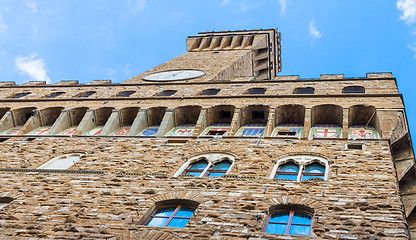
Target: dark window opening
(355, 146)
(216, 132)
(305, 90)
(353, 89)
(86, 94)
(286, 133)
(257, 115)
(210, 92)
(125, 93)
(167, 93)
(20, 95)
(256, 91)
(54, 94)
(225, 114)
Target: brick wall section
(361, 197)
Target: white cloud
(138, 5)
(33, 66)
(283, 7)
(408, 9)
(225, 2)
(313, 31)
(244, 7)
(3, 26)
(32, 5)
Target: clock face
(175, 75)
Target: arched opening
(53, 95)
(101, 118)
(166, 93)
(16, 120)
(210, 92)
(154, 119)
(75, 117)
(326, 121)
(218, 120)
(304, 90)
(3, 111)
(20, 95)
(207, 165)
(127, 118)
(254, 120)
(363, 122)
(289, 121)
(301, 168)
(256, 91)
(125, 93)
(186, 118)
(47, 118)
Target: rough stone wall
(360, 199)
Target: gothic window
(290, 221)
(301, 168)
(125, 93)
(210, 92)
(62, 162)
(167, 93)
(353, 89)
(256, 91)
(85, 94)
(207, 165)
(170, 216)
(288, 171)
(314, 170)
(304, 90)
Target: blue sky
(106, 39)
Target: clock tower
(218, 56)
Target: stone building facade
(209, 145)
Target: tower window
(202, 168)
(225, 115)
(54, 94)
(125, 93)
(304, 90)
(289, 222)
(20, 95)
(170, 216)
(167, 93)
(353, 89)
(256, 91)
(210, 92)
(86, 94)
(300, 168)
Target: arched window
(300, 168)
(210, 92)
(167, 93)
(314, 170)
(85, 94)
(171, 216)
(288, 171)
(353, 89)
(304, 90)
(20, 95)
(207, 165)
(197, 168)
(53, 94)
(256, 91)
(289, 221)
(125, 93)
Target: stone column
(168, 122)
(307, 123)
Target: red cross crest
(42, 131)
(69, 131)
(122, 131)
(326, 133)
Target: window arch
(353, 89)
(170, 213)
(300, 168)
(304, 90)
(62, 162)
(171, 216)
(256, 91)
(207, 165)
(289, 221)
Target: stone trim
(184, 195)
